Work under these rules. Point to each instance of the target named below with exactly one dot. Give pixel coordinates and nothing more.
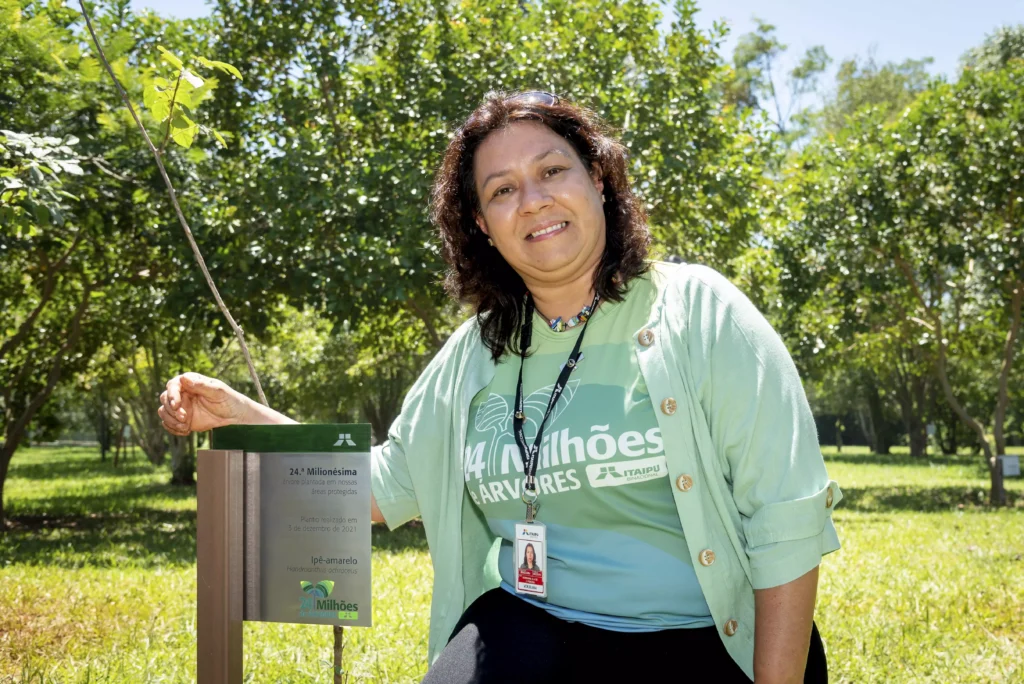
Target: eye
(501, 191)
(552, 171)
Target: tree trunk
(183, 464)
(912, 425)
(997, 496)
(383, 407)
(5, 461)
(379, 423)
(45, 295)
(948, 440)
(866, 428)
(1009, 351)
(918, 437)
(103, 435)
(153, 445)
(879, 434)
(16, 428)
(947, 429)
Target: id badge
(530, 559)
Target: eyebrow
(503, 172)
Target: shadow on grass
(79, 468)
(140, 538)
(922, 499)
(906, 460)
(408, 537)
(125, 499)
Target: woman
(529, 559)
(644, 417)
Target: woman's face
(529, 555)
(538, 203)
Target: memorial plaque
(1011, 465)
(306, 522)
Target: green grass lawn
(97, 580)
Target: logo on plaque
(319, 590)
(317, 602)
(344, 440)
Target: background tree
(911, 230)
(997, 50)
(753, 83)
(358, 116)
(94, 262)
(889, 87)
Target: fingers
(172, 424)
(173, 393)
(200, 384)
(180, 411)
(184, 414)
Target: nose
(533, 197)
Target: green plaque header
(312, 438)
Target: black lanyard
(530, 455)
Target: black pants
(502, 638)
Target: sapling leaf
(203, 91)
(89, 68)
(184, 95)
(170, 57)
(157, 101)
(183, 129)
(193, 79)
(223, 66)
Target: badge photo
(530, 559)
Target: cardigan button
(668, 406)
(730, 627)
(706, 557)
(684, 483)
(646, 337)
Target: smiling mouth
(550, 230)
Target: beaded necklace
(558, 325)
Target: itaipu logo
(607, 471)
(317, 603)
(627, 472)
(344, 440)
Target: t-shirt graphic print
(616, 554)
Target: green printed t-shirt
(617, 557)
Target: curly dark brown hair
(477, 273)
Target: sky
(894, 30)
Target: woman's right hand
(194, 403)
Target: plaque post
(219, 549)
(283, 535)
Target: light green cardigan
(760, 497)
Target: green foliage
(91, 260)
(751, 86)
(889, 87)
(997, 50)
(317, 372)
(171, 101)
(905, 247)
(30, 183)
(752, 60)
(347, 109)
